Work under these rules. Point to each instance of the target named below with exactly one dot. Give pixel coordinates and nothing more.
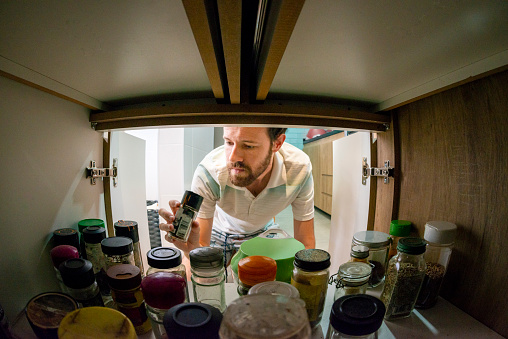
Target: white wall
(198, 142)
(170, 154)
(46, 145)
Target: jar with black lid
(129, 229)
(77, 275)
(378, 244)
(167, 259)
(66, 236)
(82, 224)
(93, 236)
(117, 250)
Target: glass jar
(118, 250)
(77, 275)
(125, 283)
(275, 287)
(398, 229)
(353, 278)
(310, 277)
(185, 215)
(162, 290)
(378, 244)
(355, 316)
(59, 254)
(208, 276)
(82, 224)
(167, 259)
(404, 278)
(440, 237)
(66, 236)
(254, 270)
(359, 254)
(129, 229)
(192, 320)
(93, 235)
(276, 316)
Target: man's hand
(169, 217)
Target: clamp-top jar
(379, 245)
(352, 278)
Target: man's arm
(304, 232)
(205, 233)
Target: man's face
(248, 153)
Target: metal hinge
(93, 172)
(385, 172)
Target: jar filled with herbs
(378, 244)
(404, 278)
(129, 229)
(118, 250)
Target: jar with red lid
(254, 270)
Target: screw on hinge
(93, 125)
(387, 127)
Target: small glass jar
(82, 224)
(59, 254)
(208, 276)
(118, 250)
(77, 275)
(125, 283)
(275, 287)
(66, 236)
(167, 259)
(93, 235)
(353, 278)
(129, 229)
(398, 229)
(404, 278)
(378, 244)
(359, 254)
(192, 320)
(186, 214)
(162, 290)
(355, 316)
(254, 270)
(275, 316)
(310, 277)
(440, 237)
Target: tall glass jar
(208, 276)
(93, 235)
(167, 259)
(254, 270)
(379, 245)
(398, 229)
(310, 277)
(404, 278)
(118, 250)
(440, 237)
(129, 229)
(353, 278)
(77, 275)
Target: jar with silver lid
(351, 278)
(379, 246)
(118, 250)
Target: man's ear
(277, 144)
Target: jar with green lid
(129, 229)
(310, 277)
(378, 244)
(352, 278)
(167, 259)
(118, 250)
(398, 229)
(404, 278)
(82, 224)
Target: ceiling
(377, 54)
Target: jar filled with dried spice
(440, 237)
(118, 250)
(398, 229)
(129, 229)
(404, 278)
(378, 244)
(310, 277)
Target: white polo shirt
(235, 210)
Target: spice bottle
(82, 224)
(398, 229)
(208, 276)
(440, 237)
(66, 236)
(129, 229)
(355, 316)
(310, 277)
(186, 214)
(378, 244)
(192, 320)
(59, 254)
(93, 236)
(254, 270)
(359, 254)
(353, 278)
(162, 290)
(404, 278)
(167, 259)
(125, 283)
(117, 250)
(77, 275)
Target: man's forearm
(304, 232)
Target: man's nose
(236, 154)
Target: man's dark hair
(274, 133)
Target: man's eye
(248, 146)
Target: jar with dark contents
(118, 250)
(129, 229)
(254, 270)
(440, 237)
(310, 277)
(167, 259)
(378, 244)
(77, 275)
(125, 283)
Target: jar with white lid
(440, 237)
(352, 278)
(379, 246)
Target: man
(245, 183)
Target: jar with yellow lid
(254, 270)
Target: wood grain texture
(106, 181)
(454, 151)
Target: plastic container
(254, 270)
(275, 287)
(310, 277)
(59, 254)
(118, 250)
(192, 320)
(355, 316)
(77, 275)
(379, 246)
(440, 237)
(208, 276)
(404, 278)
(82, 224)
(129, 229)
(352, 278)
(398, 229)
(167, 259)
(186, 214)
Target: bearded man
(244, 184)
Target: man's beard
(248, 176)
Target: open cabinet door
(128, 197)
(350, 204)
